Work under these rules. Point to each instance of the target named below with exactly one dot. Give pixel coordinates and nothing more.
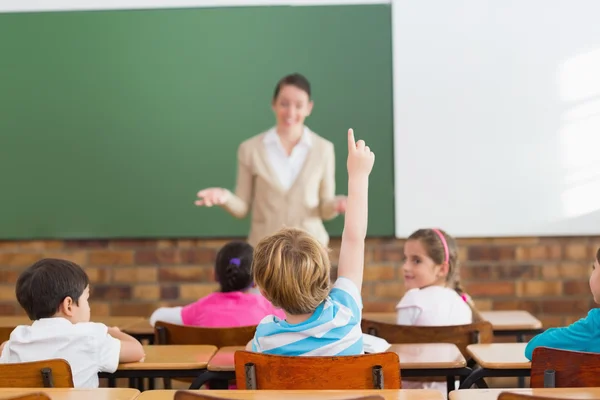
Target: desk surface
(492, 394)
(412, 356)
(429, 356)
(141, 327)
(501, 320)
(121, 322)
(407, 394)
(223, 360)
(73, 394)
(172, 357)
(500, 355)
(511, 320)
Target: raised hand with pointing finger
(360, 157)
(352, 251)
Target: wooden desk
(497, 359)
(172, 357)
(121, 322)
(168, 361)
(74, 394)
(423, 356)
(500, 355)
(506, 323)
(416, 360)
(515, 322)
(141, 327)
(223, 360)
(407, 394)
(492, 394)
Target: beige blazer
(308, 202)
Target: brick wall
(546, 276)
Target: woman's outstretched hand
(212, 197)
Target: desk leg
(212, 376)
(521, 339)
(476, 378)
(450, 384)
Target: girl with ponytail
(434, 296)
(235, 304)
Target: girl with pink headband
(433, 295)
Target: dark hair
(435, 250)
(598, 255)
(233, 267)
(297, 80)
(42, 287)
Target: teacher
(286, 175)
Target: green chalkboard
(111, 121)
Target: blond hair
(292, 269)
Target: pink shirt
(226, 310)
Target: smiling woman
(286, 175)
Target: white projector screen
(497, 116)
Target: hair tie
(235, 261)
(443, 239)
(464, 297)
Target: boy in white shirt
(55, 293)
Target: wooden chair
(166, 333)
(265, 371)
(184, 395)
(46, 373)
(518, 396)
(5, 334)
(460, 335)
(562, 368)
(31, 396)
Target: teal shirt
(583, 335)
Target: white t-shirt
(86, 346)
(432, 306)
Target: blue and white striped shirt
(333, 329)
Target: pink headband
(443, 239)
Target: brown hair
(42, 287)
(297, 80)
(292, 269)
(435, 250)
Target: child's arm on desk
(352, 252)
(131, 348)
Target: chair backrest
(5, 333)
(166, 333)
(563, 368)
(186, 395)
(265, 371)
(460, 335)
(46, 373)
(31, 396)
(519, 396)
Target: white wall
(497, 116)
(63, 5)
